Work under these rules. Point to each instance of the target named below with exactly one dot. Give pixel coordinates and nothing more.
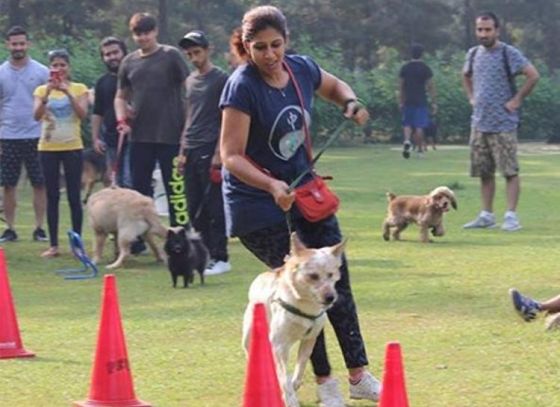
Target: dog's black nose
(329, 299)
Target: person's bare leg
(10, 195)
(39, 205)
(552, 305)
(487, 192)
(513, 189)
(407, 131)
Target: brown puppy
(296, 297)
(426, 211)
(127, 214)
(94, 170)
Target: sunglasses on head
(58, 53)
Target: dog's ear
(183, 232)
(296, 246)
(338, 249)
(170, 233)
(453, 200)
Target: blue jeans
(124, 175)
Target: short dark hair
(59, 53)
(416, 51)
(112, 41)
(142, 23)
(488, 15)
(16, 30)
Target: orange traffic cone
(261, 381)
(10, 339)
(393, 393)
(111, 379)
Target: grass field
(445, 302)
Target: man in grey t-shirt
(488, 78)
(152, 79)
(200, 150)
(19, 132)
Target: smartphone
(54, 76)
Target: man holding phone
(19, 132)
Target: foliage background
(363, 41)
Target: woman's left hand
(62, 86)
(283, 197)
(356, 112)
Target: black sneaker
(9, 235)
(406, 149)
(39, 235)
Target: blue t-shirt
(276, 139)
(491, 88)
(16, 99)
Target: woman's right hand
(282, 196)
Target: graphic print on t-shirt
(60, 128)
(286, 134)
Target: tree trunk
(163, 22)
(15, 13)
(468, 23)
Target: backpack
(507, 68)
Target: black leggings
(72, 165)
(272, 244)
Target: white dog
(296, 297)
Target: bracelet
(346, 103)
(122, 121)
(44, 101)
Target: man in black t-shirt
(152, 80)
(200, 149)
(104, 132)
(415, 81)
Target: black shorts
(15, 152)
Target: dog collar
(296, 311)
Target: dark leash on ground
(115, 169)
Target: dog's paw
(296, 384)
(386, 237)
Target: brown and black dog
(424, 210)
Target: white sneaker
(481, 222)
(329, 394)
(217, 267)
(368, 388)
(511, 223)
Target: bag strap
(302, 107)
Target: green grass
(445, 302)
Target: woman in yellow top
(61, 105)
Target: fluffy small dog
(186, 253)
(296, 297)
(94, 170)
(127, 214)
(426, 211)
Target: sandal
(50, 253)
